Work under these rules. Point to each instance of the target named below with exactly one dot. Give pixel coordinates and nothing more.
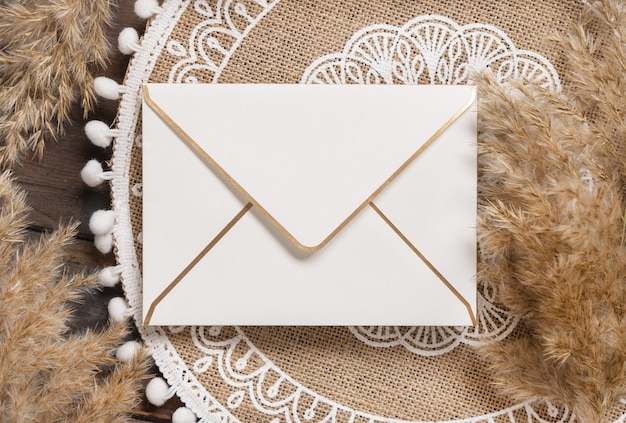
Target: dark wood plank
(55, 191)
(162, 414)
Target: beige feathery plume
(48, 51)
(551, 221)
(47, 374)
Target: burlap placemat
(339, 374)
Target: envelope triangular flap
(309, 156)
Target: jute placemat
(333, 374)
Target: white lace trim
(205, 53)
(233, 355)
(378, 53)
(431, 46)
(493, 323)
(188, 388)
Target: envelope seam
(426, 262)
(195, 261)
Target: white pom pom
(157, 391)
(128, 41)
(183, 415)
(102, 222)
(118, 311)
(109, 276)
(92, 173)
(146, 8)
(127, 351)
(107, 88)
(104, 243)
(99, 133)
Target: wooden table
(56, 194)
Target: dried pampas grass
(551, 223)
(46, 373)
(48, 49)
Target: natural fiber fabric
(291, 38)
(357, 374)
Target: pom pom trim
(128, 41)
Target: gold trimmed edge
(194, 146)
(192, 263)
(426, 262)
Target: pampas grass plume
(47, 373)
(48, 51)
(551, 219)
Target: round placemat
(331, 374)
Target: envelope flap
(308, 156)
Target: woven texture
(335, 374)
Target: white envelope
(309, 204)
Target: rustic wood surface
(57, 194)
